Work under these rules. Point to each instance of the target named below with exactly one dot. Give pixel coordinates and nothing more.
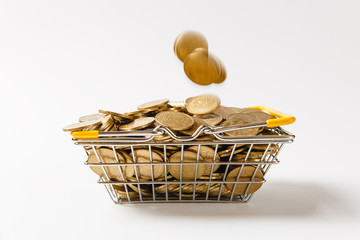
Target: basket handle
(283, 118)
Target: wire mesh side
(214, 187)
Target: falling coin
(186, 42)
(201, 68)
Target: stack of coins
(183, 119)
(200, 66)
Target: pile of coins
(200, 66)
(183, 119)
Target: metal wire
(212, 189)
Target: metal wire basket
(217, 186)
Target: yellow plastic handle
(85, 134)
(283, 118)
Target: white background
(60, 60)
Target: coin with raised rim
(188, 171)
(174, 120)
(107, 156)
(197, 123)
(82, 125)
(246, 175)
(208, 154)
(144, 171)
(129, 170)
(153, 104)
(240, 132)
(203, 104)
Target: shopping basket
(247, 172)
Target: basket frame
(144, 138)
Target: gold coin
(129, 170)
(186, 195)
(145, 189)
(197, 123)
(177, 104)
(258, 114)
(160, 153)
(121, 192)
(211, 119)
(170, 188)
(220, 68)
(215, 176)
(138, 123)
(107, 122)
(189, 188)
(187, 101)
(246, 175)
(153, 104)
(169, 147)
(115, 114)
(96, 116)
(92, 128)
(174, 120)
(205, 138)
(201, 68)
(203, 104)
(215, 189)
(168, 177)
(252, 117)
(164, 140)
(107, 156)
(227, 152)
(144, 171)
(176, 109)
(208, 154)
(130, 114)
(188, 171)
(186, 42)
(161, 138)
(225, 112)
(221, 71)
(120, 121)
(114, 128)
(82, 125)
(252, 155)
(240, 132)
